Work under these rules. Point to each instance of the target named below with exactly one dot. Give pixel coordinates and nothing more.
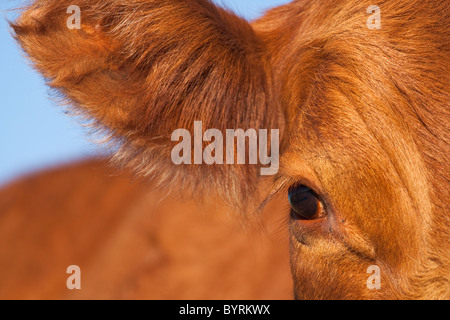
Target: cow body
(129, 244)
(363, 114)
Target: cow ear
(142, 69)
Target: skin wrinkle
(396, 167)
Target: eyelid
(296, 186)
(282, 183)
(299, 172)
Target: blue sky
(34, 132)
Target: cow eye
(304, 203)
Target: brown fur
(365, 117)
(370, 115)
(130, 245)
(144, 69)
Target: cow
(362, 181)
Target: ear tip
(28, 23)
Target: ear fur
(142, 69)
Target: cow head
(363, 116)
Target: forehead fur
(368, 110)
